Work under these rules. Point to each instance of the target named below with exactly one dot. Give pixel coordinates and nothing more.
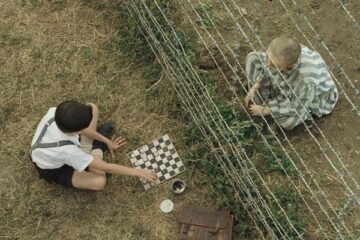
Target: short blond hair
(285, 49)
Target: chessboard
(161, 156)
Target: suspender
(37, 144)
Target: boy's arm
(101, 165)
(112, 144)
(251, 93)
(256, 86)
(95, 117)
(90, 130)
(90, 133)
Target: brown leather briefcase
(205, 224)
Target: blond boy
(289, 82)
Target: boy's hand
(115, 144)
(149, 175)
(248, 99)
(258, 110)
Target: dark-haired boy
(61, 158)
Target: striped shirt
(294, 95)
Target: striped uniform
(309, 80)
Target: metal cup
(178, 186)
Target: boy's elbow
(95, 108)
(99, 164)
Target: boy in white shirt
(61, 158)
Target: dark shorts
(62, 176)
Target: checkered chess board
(159, 155)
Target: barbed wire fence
(192, 95)
(171, 54)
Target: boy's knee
(288, 123)
(100, 183)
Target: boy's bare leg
(87, 148)
(89, 180)
(92, 180)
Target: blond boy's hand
(249, 97)
(115, 144)
(258, 110)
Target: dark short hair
(72, 116)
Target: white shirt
(51, 158)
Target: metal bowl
(178, 186)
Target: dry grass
(55, 50)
